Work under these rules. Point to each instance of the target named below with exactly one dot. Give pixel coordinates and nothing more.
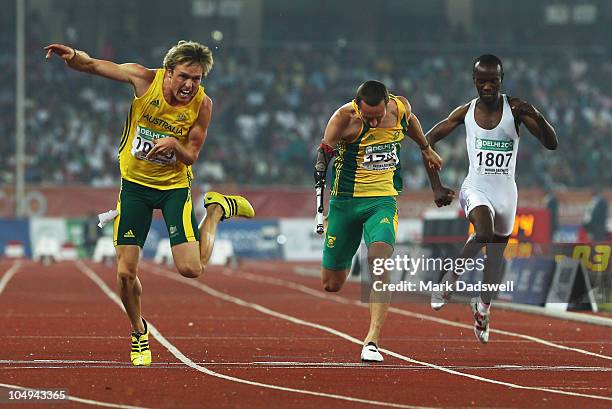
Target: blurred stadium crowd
(270, 112)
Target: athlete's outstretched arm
(442, 195)
(188, 153)
(415, 132)
(443, 128)
(535, 122)
(135, 74)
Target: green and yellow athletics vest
(151, 117)
(370, 166)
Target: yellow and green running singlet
(370, 166)
(151, 117)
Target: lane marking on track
(343, 300)
(199, 337)
(580, 388)
(235, 300)
(9, 274)
(72, 398)
(69, 363)
(98, 314)
(276, 338)
(188, 362)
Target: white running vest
(492, 152)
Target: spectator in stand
(552, 204)
(596, 216)
(274, 108)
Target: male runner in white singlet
(488, 194)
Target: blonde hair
(189, 52)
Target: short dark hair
(372, 92)
(189, 52)
(489, 60)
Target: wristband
(327, 149)
(424, 147)
(73, 55)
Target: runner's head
(488, 74)
(186, 64)
(372, 98)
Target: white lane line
(71, 363)
(277, 338)
(196, 337)
(290, 318)
(8, 275)
(586, 388)
(181, 357)
(70, 397)
(343, 300)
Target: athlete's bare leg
(333, 280)
(493, 265)
(482, 219)
(129, 285)
(191, 258)
(379, 301)
(208, 230)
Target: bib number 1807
(492, 159)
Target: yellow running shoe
(232, 205)
(141, 353)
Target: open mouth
(185, 93)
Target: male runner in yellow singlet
(162, 137)
(364, 135)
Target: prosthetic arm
(325, 153)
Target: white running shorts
(502, 205)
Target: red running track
(264, 337)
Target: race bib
(380, 157)
(143, 143)
(493, 157)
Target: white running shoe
(481, 322)
(440, 298)
(369, 353)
